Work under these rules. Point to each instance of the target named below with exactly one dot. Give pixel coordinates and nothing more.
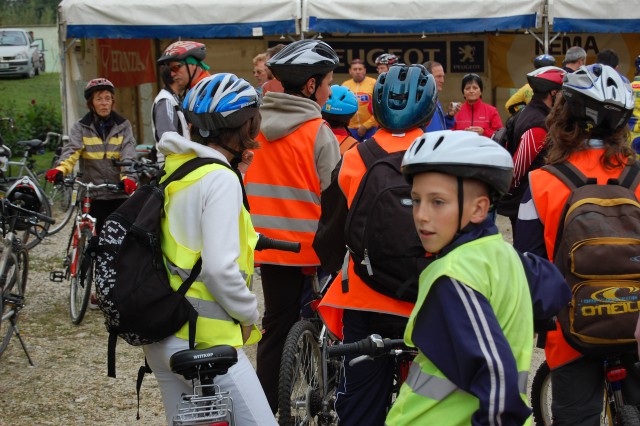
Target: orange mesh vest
(283, 188)
(550, 196)
(360, 296)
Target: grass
(43, 89)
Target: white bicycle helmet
(462, 154)
(598, 97)
(386, 59)
(299, 61)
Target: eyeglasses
(106, 100)
(176, 67)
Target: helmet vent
(437, 144)
(418, 146)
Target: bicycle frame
(83, 220)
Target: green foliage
(16, 13)
(34, 104)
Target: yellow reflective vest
(214, 325)
(491, 267)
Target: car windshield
(12, 38)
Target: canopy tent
(591, 16)
(434, 16)
(171, 19)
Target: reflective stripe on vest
(481, 265)
(438, 387)
(214, 326)
(283, 189)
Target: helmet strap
(460, 203)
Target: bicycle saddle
(215, 360)
(33, 143)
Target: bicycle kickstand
(24, 347)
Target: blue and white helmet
(220, 101)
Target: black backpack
(132, 284)
(597, 250)
(505, 136)
(379, 231)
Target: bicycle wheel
(59, 197)
(80, 290)
(14, 277)
(300, 384)
(36, 230)
(541, 396)
(628, 415)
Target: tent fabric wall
(435, 16)
(601, 16)
(170, 19)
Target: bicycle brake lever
(360, 359)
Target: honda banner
(126, 63)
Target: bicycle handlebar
(137, 165)
(371, 346)
(111, 186)
(10, 120)
(266, 243)
(44, 218)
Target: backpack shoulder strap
(190, 166)
(568, 174)
(370, 152)
(630, 176)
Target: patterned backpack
(132, 284)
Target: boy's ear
(309, 87)
(479, 209)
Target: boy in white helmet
(473, 321)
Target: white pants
(249, 403)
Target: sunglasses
(176, 67)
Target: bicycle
(78, 264)
(14, 270)
(144, 168)
(59, 194)
(615, 411)
(58, 199)
(308, 378)
(209, 405)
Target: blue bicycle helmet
(220, 101)
(404, 98)
(341, 106)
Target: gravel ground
(68, 384)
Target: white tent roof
(433, 16)
(595, 16)
(173, 19)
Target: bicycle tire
(300, 382)
(59, 197)
(80, 290)
(541, 396)
(628, 415)
(17, 271)
(36, 232)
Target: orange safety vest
(283, 189)
(360, 296)
(550, 196)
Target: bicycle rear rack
(200, 409)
